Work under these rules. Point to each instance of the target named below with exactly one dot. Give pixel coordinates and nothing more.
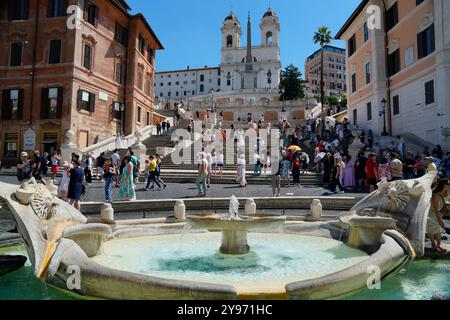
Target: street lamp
(383, 113)
(122, 111)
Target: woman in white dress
(240, 174)
(63, 188)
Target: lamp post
(122, 111)
(383, 113)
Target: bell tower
(231, 32)
(270, 28)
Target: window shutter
(26, 9)
(10, 10)
(96, 10)
(79, 101)
(65, 5)
(420, 45)
(50, 8)
(20, 106)
(60, 103)
(433, 39)
(86, 10)
(116, 35)
(44, 103)
(6, 110)
(91, 102)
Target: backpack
(297, 164)
(24, 173)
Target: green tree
(331, 100)
(292, 84)
(322, 36)
(343, 99)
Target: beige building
(404, 61)
(334, 76)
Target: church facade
(249, 68)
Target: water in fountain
(233, 212)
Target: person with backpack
(296, 166)
(25, 167)
(136, 165)
(100, 162)
(89, 164)
(110, 172)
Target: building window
(140, 79)
(11, 145)
(396, 105)
(87, 57)
(12, 104)
(141, 44)
(193, 92)
(51, 105)
(202, 88)
(229, 41)
(57, 8)
(354, 82)
(392, 16)
(366, 32)
(426, 42)
(119, 73)
(409, 56)
(355, 116)
(116, 110)
(16, 54)
(86, 100)
(351, 45)
(18, 10)
(149, 85)
(368, 73)
(54, 52)
(90, 12)
(369, 111)
(138, 114)
(429, 92)
(121, 35)
(419, 2)
(393, 63)
(150, 55)
(269, 38)
(148, 118)
(202, 78)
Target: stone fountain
(307, 260)
(235, 228)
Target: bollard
(107, 212)
(250, 207)
(316, 210)
(180, 210)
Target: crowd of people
(77, 175)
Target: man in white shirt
(115, 159)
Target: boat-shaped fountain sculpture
(260, 256)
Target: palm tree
(323, 37)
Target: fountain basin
(234, 232)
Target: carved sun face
(398, 195)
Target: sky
(190, 29)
